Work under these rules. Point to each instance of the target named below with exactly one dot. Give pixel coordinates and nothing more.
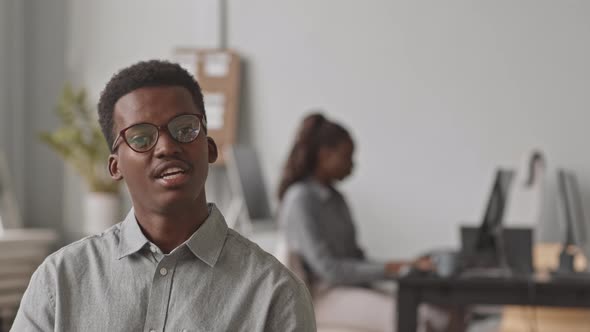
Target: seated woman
(319, 228)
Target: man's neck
(169, 230)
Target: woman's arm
(302, 226)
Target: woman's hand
(396, 268)
(423, 263)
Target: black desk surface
(462, 291)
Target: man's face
(171, 174)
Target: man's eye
(185, 133)
(139, 141)
(185, 130)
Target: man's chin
(173, 203)
(181, 197)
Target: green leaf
(79, 140)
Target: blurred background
(437, 95)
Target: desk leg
(407, 310)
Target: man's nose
(166, 145)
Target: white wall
(105, 36)
(11, 92)
(44, 74)
(4, 116)
(31, 66)
(436, 93)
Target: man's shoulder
(93, 247)
(258, 261)
(289, 302)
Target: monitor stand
(566, 269)
(566, 261)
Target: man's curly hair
(151, 73)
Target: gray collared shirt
(119, 281)
(318, 226)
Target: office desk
(538, 290)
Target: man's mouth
(171, 173)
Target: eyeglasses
(142, 137)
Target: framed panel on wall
(218, 74)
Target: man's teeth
(172, 172)
(172, 176)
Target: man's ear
(213, 151)
(114, 168)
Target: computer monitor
(516, 241)
(575, 224)
(485, 247)
(492, 249)
(494, 213)
(250, 202)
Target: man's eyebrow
(166, 122)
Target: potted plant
(79, 141)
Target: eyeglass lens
(143, 136)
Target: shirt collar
(132, 238)
(324, 192)
(206, 243)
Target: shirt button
(154, 250)
(184, 330)
(152, 330)
(163, 271)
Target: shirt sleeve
(303, 227)
(291, 309)
(37, 307)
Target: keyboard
(583, 275)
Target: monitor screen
(247, 183)
(494, 213)
(574, 219)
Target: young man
(172, 264)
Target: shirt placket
(160, 291)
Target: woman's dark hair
(315, 132)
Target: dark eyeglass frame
(202, 121)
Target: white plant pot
(101, 212)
